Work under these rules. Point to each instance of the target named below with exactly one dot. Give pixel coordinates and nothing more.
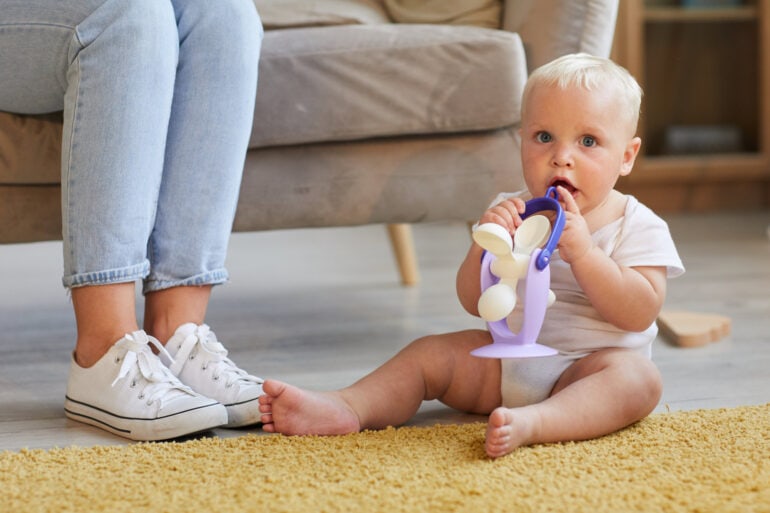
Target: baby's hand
(507, 214)
(575, 240)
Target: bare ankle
(88, 357)
(530, 424)
(344, 397)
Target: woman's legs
(120, 85)
(120, 81)
(114, 64)
(110, 65)
(117, 107)
(103, 315)
(208, 133)
(167, 309)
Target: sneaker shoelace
(203, 343)
(140, 362)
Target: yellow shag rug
(696, 461)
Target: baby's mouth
(564, 183)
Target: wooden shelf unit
(699, 67)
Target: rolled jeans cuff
(120, 275)
(215, 277)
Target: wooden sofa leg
(402, 240)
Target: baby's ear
(629, 156)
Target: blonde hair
(589, 72)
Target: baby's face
(582, 140)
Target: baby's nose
(562, 157)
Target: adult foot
(292, 411)
(506, 431)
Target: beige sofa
(368, 111)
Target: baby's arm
(507, 214)
(628, 297)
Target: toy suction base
(503, 350)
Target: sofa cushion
(279, 14)
(481, 13)
(361, 81)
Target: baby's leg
(433, 367)
(597, 395)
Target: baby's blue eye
(543, 137)
(588, 141)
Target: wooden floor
(321, 307)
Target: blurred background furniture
(705, 124)
(369, 111)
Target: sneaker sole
(183, 423)
(245, 413)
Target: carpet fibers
(695, 461)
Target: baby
(579, 120)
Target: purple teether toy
(523, 344)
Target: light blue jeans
(158, 100)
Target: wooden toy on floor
(688, 329)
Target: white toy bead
(497, 302)
(511, 264)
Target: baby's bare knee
(639, 376)
(448, 345)
(650, 382)
(450, 372)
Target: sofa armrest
(551, 28)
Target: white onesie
(572, 325)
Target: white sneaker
(131, 393)
(200, 361)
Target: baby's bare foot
(292, 411)
(506, 431)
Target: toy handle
(547, 202)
